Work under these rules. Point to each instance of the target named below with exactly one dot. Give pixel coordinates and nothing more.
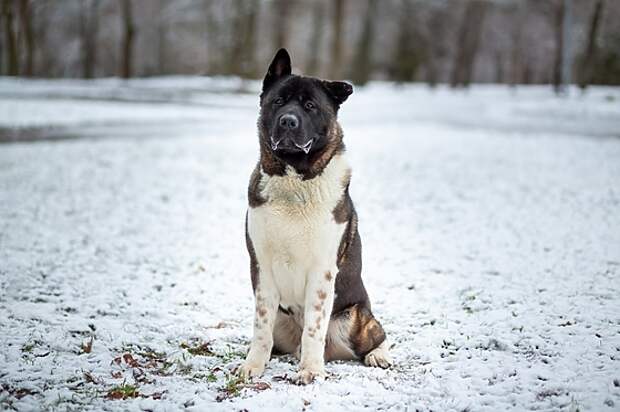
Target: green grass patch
(123, 391)
(198, 348)
(232, 387)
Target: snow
(489, 218)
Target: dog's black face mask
(297, 112)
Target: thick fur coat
(301, 233)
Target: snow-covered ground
(490, 220)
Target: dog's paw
(307, 376)
(250, 369)
(378, 358)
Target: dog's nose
(289, 121)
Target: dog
(302, 233)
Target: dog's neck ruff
(327, 187)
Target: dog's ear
(279, 68)
(338, 91)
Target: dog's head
(298, 117)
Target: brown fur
(255, 199)
(271, 165)
(366, 331)
(342, 211)
(252, 253)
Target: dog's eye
(279, 101)
(309, 105)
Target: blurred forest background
(433, 41)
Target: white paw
(251, 369)
(307, 376)
(378, 358)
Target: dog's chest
(294, 233)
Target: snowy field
(490, 221)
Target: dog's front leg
(267, 301)
(319, 301)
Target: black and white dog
(301, 232)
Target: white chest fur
(294, 233)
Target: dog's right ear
(279, 68)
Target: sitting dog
(301, 233)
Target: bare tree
(435, 48)
(499, 67)
(161, 36)
(409, 47)
(558, 27)
(128, 39)
(25, 18)
(88, 25)
(282, 11)
(249, 40)
(467, 42)
(312, 67)
(236, 47)
(9, 39)
(587, 60)
(336, 48)
(362, 62)
(517, 54)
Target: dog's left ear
(338, 91)
(279, 68)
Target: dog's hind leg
(379, 356)
(356, 334)
(286, 335)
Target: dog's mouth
(288, 145)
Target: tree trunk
(249, 40)
(89, 23)
(362, 63)
(233, 65)
(409, 47)
(312, 67)
(516, 52)
(282, 13)
(434, 46)
(559, 45)
(161, 38)
(25, 14)
(128, 38)
(336, 49)
(499, 68)
(467, 42)
(585, 72)
(9, 38)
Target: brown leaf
(114, 395)
(129, 360)
(261, 386)
(87, 347)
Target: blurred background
(433, 41)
